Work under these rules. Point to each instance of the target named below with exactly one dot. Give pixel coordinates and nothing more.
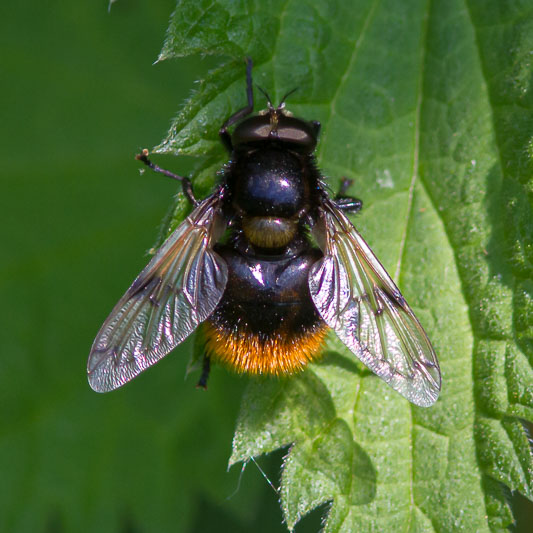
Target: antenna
(270, 106)
(282, 103)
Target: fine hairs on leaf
(427, 106)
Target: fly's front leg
(223, 132)
(185, 182)
(348, 204)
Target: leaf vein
(349, 67)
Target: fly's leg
(348, 204)
(206, 368)
(223, 132)
(185, 182)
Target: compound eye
(297, 133)
(294, 135)
(251, 130)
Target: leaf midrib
(344, 77)
(408, 218)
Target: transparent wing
(178, 289)
(357, 298)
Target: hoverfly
(242, 266)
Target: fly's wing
(357, 298)
(177, 290)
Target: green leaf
(427, 105)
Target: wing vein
(357, 298)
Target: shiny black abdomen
(267, 295)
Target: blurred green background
(80, 97)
